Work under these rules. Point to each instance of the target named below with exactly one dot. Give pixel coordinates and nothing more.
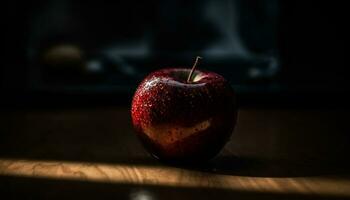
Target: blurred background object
(69, 69)
(273, 52)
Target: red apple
(184, 115)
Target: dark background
(273, 52)
(69, 69)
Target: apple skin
(184, 122)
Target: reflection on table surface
(284, 154)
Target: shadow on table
(106, 136)
(255, 167)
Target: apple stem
(193, 68)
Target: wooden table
(93, 153)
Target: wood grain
(173, 177)
(275, 152)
